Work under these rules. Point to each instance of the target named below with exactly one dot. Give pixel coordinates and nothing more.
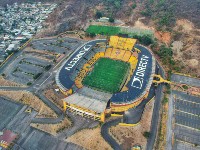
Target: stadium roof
(86, 102)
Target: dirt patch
(90, 139)
(4, 82)
(161, 138)
(54, 97)
(193, 63)
(53, 128)
(177, 46)
(187, 49)
(164, 37)
(141, 25)
(186, 25)
(33, 101)
(130, 136)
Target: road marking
(187, 127)
(185, 142)
(46, 79)
(186, 101)
(187, 113)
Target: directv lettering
(140, 72)
(71, 64)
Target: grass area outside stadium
(144, 36)
(108, 75)
(103, 30)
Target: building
(119, 86)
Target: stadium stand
(122, 43)
(108, 52)
(89, 56)
(121, 54)
(133, 61)
(74, 74)
(126, 56)
(86, 106)
(94, 94)
(113, 83)
(114, 53)
(96, 50)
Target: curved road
(46, 101)
(38, 92)
(105, 133)
(155, 116)
(154, 122)
(105, 126)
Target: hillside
(70, 15)
(171, 20)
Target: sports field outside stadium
(108, 75)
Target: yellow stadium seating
(129, 44)
(122, 43)
(133, 61)
(127, 55)
(121, 54)
(108, 52)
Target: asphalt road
(169, 122)
(106, 126)
(105, 133)
(155, 116)
(37, 87)
(13, 57)
(133, 115)
(52, 106)
(63, 79)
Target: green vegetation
(134, 6)
(185, 87)
(144, 36)
(116, 4)
(165, 100)
(37, 76)
(168, 88)
(3, 74)
(165, 17)
(144, 39)
(107, 75)
(165, 53)
(29, 83)
(111, 19)
(98, 14)
(103, 30)
(47, 67)
(146, 134)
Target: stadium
(106, 76)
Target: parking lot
(58, 45)
(14, 117)
(8, 110)
(186, 121)
(33, 139)
(183, 125)
(37, 59)
(27, 68)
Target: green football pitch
(107, 75)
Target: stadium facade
(106, 76)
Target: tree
(111, 19)
(92, 35)
(3, 74)
(146, 134)
(134, 6)
(146, 40)
(98, 14)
